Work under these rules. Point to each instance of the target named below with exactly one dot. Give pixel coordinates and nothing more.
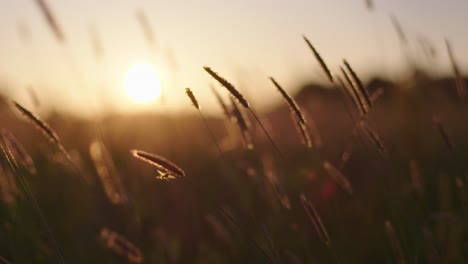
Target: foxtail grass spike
(358, 85)
(353, 91)
(47, 132)
(192, 98)
(195, 103)
(322, 63)
(51, 20)
(41, 125)
(290, 101)
(234, 92)
(159, 162)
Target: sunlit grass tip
(159, 162)
(290, 101)
(322, 63)
(41, 125)
(230, 87)
(192, 98)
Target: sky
(245, 41)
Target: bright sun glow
(142, 83)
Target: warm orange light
(142, 83)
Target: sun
(142, 83)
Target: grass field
(392, 191)
(350, 172)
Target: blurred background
(84, 70)
(355, 183)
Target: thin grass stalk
(435, 247)
(146, 28)
(226, 84)
(241, 121)
(290, 101)
(121, 245)
(38, 123)
(221, 102)
(350, 97)
(107, 173)
(346, 155)
(9, 190)
(27, 191)
(349, 93)
(234, 92)
(315, 219)
(44, 128)
(296, 114)
(267, 134)
(374, 138)
(269, 171)
(51, 20)
(54, 25)
(250, 238)
(399, 30)
(346, 91)
(376, 95)
(303, 131)
(322, 63)
(394, 242)
(459, 80)
(318, 225)
(350, 89)
(271, 243)
(18, 151)
(195, 103)
(294, 259)
(213, 138)
(218, 229)
(444, 135)
(361, 90)
(415, 175)
(338, 177)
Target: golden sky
(245, 41)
